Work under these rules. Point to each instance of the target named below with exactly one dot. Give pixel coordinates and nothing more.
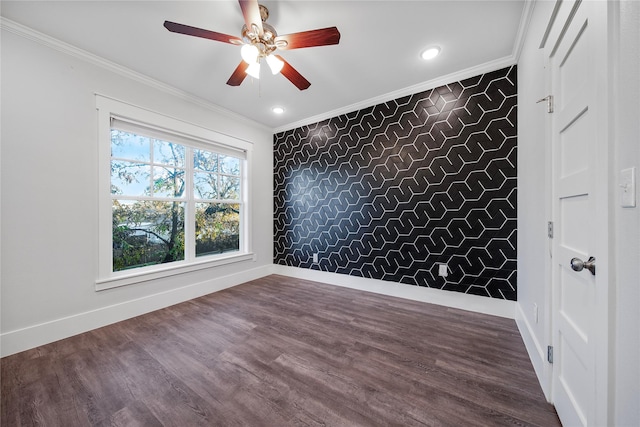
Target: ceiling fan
(260, 40)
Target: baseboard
(537, 352)
(24, 339)
(495, 307)
(33, 336)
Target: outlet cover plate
(442, 270)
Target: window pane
(129, 179)
(147, 233)
(127, 145)
(205, 160)
(205, 185)
(229, 165)
(168, 182)
(229, 188)
(217, 228)
(168, 153)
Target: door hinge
(550, 353)
(549, 99)
(550, 229)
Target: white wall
(626, 129)
(50, 202)
(534, 208)
(534, 204)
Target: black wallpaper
(391, 191)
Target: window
(177, 201)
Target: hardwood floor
(282, 352)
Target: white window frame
(197, 137)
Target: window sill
(129, 278)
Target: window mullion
(152, 167)
(190, 208)
(244, 244)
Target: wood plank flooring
(282, 352)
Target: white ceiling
(377, 58)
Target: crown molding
(68, 49)
(43, 39)
(525, 21)
(487, 67)
(507, 61)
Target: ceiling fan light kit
(249, 53)
(275, 64)
(260, 40)
(254, 70)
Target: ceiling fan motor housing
(264, 12)
(266, 42)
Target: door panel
(574, 223)
(573, 140)
(573, 156)
(574, 61)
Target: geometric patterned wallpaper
(391, 191)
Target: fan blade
(312, 38)
(293, 75)
(174, 27)
(238, 75)
(251, 13)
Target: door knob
(578, 265)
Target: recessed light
(430, 53)
(278, 110)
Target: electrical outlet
(315, 257)
(442, 270)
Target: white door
(579, 210)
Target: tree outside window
(157, 186)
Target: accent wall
(407, 189)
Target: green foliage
(217, 228)
(147, 232)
